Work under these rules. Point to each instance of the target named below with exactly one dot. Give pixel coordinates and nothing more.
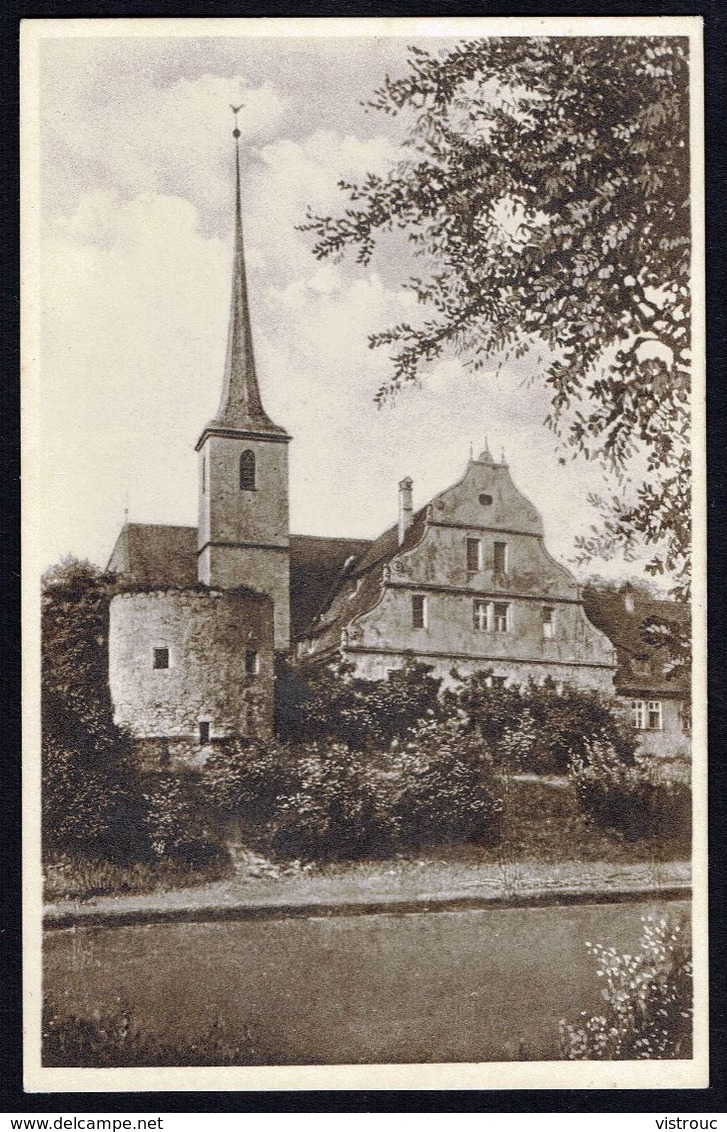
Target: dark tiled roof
(155, 554)
(641, 666)
(359, 588)
(152, 554)
(316, 565)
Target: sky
(136, 218)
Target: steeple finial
(485, 456)
(240, 404)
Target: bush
(648, 1011)
(446, 789)
(335, 806)
(175, 821)
(91, 790)
(539, 728)
(632, 799)
(111, 1037)
(334, 704)
(245, 781)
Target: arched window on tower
(247, 471)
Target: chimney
(406, 512)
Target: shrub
(176, 822)
(648, 1001)
(491, 710)
(539, 728)
(91, 791)
(335, 806)
(334, 704)
(632, 799)
(111, 1037)
(247, 780)
(446, 790)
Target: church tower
(243, 530)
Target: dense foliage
(91, 790)
(648, 1006)
(539, 728)
(544, 183)
(334, 703)
(634, 799)
(325, 800)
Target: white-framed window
(160, 658)
(548, 622)
(474, 555)
(501, 616)
(647, 715)
(481, 612)
(654, 715)
(499, 558)
(418, 611)
(491, 616)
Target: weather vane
(236, 110)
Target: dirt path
(257, 884)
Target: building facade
(466, 583)
(463, 584)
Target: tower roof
(240, 407)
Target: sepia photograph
(364, 599)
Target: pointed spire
(240, 404)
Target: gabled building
(656, 691)
(465, 583)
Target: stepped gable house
(463, 583)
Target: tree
(91, 791)
(546, 185)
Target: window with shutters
(474, 555)
(418, 611)
(500, 558)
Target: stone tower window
(418, 611)
(247, 470)
(252, 662)
(204, 731)
(500, 558)
(160, 658)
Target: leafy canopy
(545, 184)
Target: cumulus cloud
(136, 273)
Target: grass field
(465, 986)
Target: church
(463, 583)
